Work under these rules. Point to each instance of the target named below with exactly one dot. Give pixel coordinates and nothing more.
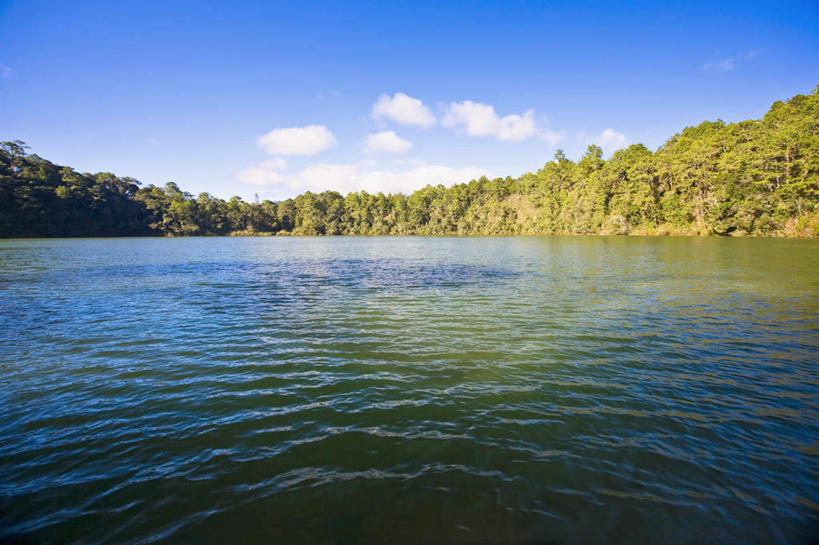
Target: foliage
(754, 177)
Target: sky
(276, 98)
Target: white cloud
(727, 64)
(386, 142)
(481, 120)
(610, 140)
(721, 65)
(264, 173)
(403, 109)
(346, 178)
(6, 72)
(277, 164)
(308, 140)
(553, 138)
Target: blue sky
(380, 95)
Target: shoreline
(800, 236)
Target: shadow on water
(375, 273)
(11, 538)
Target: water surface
(409, 390)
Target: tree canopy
(758, 177)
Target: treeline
(758, 177)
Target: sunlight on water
(343, 390)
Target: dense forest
(757, 177)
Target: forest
(755, 178)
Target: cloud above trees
(468, 117)
(386, 142)
(403, 109)
(480, 119)
(308, 140)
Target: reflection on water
(409, 390)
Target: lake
(409, 390)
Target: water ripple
(409, 390)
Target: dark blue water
(409, 390)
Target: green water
(409, 390)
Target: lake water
(409, 390)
